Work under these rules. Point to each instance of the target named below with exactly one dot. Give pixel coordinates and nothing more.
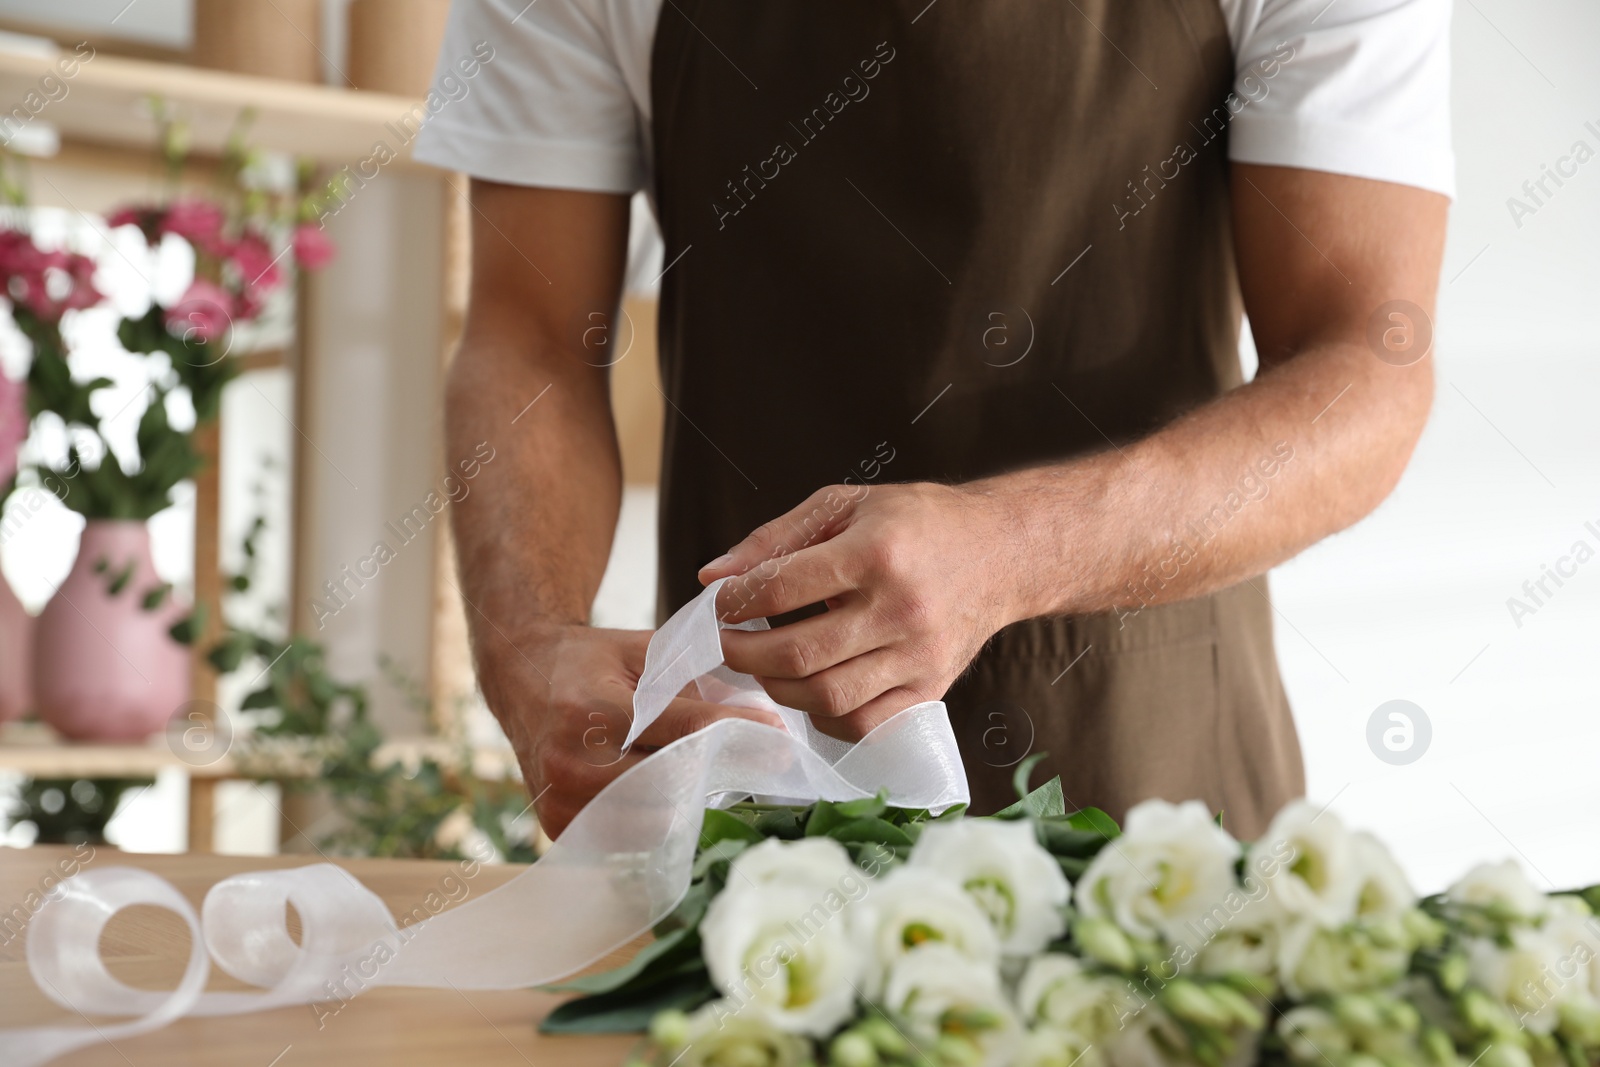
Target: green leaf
(156, 596)
(260, 700)
(628, 1011)
(780, 822)
(1043, 803)
(1095, 820)
(871, 830)
(827, 815)
(120, 580)
(1061, 838)
(675, 947)
(719, 825)
(1024, 771)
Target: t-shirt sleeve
(1358, 87)
(549, 107)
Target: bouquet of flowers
(858, 935)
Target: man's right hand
(568, 704)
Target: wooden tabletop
(147, 947)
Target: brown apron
(960, 235)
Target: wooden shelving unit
(108, 133)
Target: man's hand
(916, 578)
(568, 728)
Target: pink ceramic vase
(16, 655)
(104, 669)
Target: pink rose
(13, 425)
(204, 313)
(258, 268)
(312, 249)
(197, 221)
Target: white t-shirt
(565, 100)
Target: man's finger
(840, 690)
(859, 723)
(775, 586)
(820, 517)
(807, 647)
(685, 716)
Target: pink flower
(312, 249)
(46, 283)
(13, 425)
(197, 221)
(258, 269)
(204, 313)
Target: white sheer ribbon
(621, 866)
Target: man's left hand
(916, 578)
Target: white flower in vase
(784, 954)
(912, 907)
(1002, 866)
(1383, 892)
(1500, 887)
(939, 995)
(1057, 993)
(1171, 869)
(722, 1035)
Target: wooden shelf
(37, 751)
(109, 103)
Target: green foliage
(670, 973)
(202, 367)
(70, 811)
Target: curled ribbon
(621, 866)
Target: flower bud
(1237, 1005)
(1581, 1023)
(886, 1040)
(1362, 1059)
(1501, 1054)
(1401, 1015)
(1453, 973)
(852, 1049)
(1358, 1013)
(670, 1030)
(1189, 1001)
(1102, 940)
(1440, 1049)
(957, 1051)
(1484, 1015)
(1423, 929)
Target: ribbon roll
(620, 867)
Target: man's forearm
(1242, 484)
(534, 538)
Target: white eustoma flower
(1539, 972)
(810, 861)
(937, 991)
(1171, 868)
(1316, 959)
(1382, 890)
(1058, 993)
(913, 906)
(783, 954)
(1321, 879)
(1248, 944)
(722, 1035)
(1576, 933)
(1502, 886)
(1001, 864)
(1047, 1046)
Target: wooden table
(147, 947)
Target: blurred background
(325, 698)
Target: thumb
(822, 516)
